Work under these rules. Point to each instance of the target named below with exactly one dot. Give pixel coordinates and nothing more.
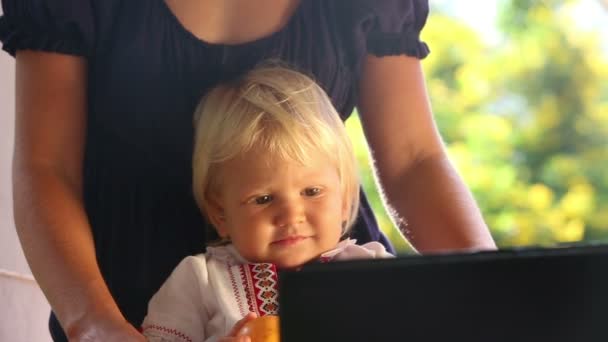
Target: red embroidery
(249, 289)
(236, 292)
(169, 331)
(324, 260)
(265, 293)
(257, 290)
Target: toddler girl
(275, 173)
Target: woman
(104, 100)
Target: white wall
(23, 309)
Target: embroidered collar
(230, 255)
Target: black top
(146, 73)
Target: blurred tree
(558, 73)
(525, 121)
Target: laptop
(533, 294)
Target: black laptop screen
(532, 295)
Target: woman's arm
(417, 178)
(50, 121)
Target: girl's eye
(311, 192)
(263, 199)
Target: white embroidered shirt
(207, 294)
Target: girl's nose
(289, 213)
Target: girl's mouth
(289, 240)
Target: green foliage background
(525, 122)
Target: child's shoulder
(213, 260)
(224, 254)
(191, 265)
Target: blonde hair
(278, 110)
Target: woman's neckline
(180, 26)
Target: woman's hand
(233, 335)
(107, 331)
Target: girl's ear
(215, 211)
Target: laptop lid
(556, 294)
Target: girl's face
(280, 212)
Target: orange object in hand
(262, 329)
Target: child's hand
(232, 337)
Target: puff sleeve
(390, 27)
(63, 26)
